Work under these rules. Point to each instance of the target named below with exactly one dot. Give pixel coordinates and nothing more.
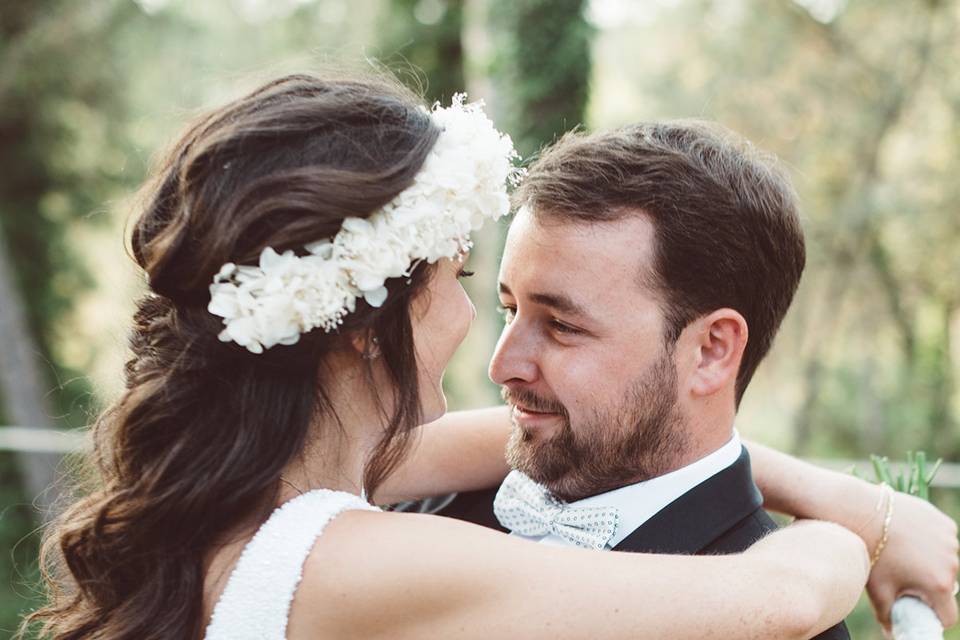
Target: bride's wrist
(871, 515)
(853, 503)
(885, 507)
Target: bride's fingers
(944, 608)
(882, 597)
(945, 604)
(920, 558)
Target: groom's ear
(721, 338)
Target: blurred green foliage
(857, 99)
(427, 34)
(19, 544)
(543, 66)
(52, 117)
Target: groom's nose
(514, 359)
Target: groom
(643, 281)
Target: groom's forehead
(631, 234)
(619, 247)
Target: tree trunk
(429, 37)
(22, 388)
(543, 63)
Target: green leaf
(912, 477)
(933, 472)
(881, 467)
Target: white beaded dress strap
(255, 604)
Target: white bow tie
(527, 508)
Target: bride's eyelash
(463, 273)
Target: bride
(303, 246)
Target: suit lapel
(695, 519)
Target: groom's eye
(562, 327)
(507, 312)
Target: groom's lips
(529, 417)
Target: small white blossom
(463, 182)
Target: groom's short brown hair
(726, 222)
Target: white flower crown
(463, 182)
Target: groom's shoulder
(746, 532)
(743, 534)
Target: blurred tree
(532, 64)
(890, 84)
(542, 68)
(49, 112)
(53, 118)
(428, 35)
(857, 98)
(21, 389)
(860, 101)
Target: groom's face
(582, 359)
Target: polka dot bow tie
(527, 508)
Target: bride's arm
(388, 575)
(462, 451)
(920, 557)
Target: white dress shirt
(639, 502)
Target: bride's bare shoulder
(370, 570)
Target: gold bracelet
(888, 491)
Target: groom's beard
(641, 438)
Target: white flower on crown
(463, 183)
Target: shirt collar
(640, 501)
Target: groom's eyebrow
(557, 301)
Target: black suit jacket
(721, 515)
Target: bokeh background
(860, 98)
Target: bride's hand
(919, 559)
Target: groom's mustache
(531, 401)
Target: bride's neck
(332, 458)
(338, 445)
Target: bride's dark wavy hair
(196, 444)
